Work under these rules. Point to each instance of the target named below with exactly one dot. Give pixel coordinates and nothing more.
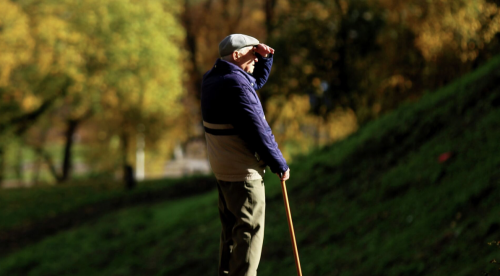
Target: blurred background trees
(112, 65)
(107, 72)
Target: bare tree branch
(269, 8)
(22, 122)
(48, 159)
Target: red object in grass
(443, 157)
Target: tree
(119, 60)
(429, 43)
(206, 23)
(371, 55)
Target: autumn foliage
(111, 70)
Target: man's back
(240, 144)
(232, 155)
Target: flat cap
(235, 42)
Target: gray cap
(235, 42)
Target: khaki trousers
(241, 209)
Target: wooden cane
(290, 227)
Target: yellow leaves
(5, 74)
(295, 125)
(316, 82)
(59, 46)
(340, 124)
(317, 10)
(464, 25)
(120, 58)
(125, 45)
(110, 99)
(51, 30)
(257, 16)
(128, 44)
(447, 26)
(308, 69)
(296, 105)
(344, 5)
(30, 102)
(491, 12)
(282, 6)
(16, 43)
(396, 81)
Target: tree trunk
(269, 6)
(192, 47)
(65, 173)
(232, 24)
(50, 163)
(128, 171)
(342, 64)
(36, 170)
(67, 155)
(2, 164)
(269, 10)
(18, 168)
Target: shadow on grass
(18, 237)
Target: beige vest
(230, 158)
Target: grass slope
(30, 215)
(377, 203)
(23, 207)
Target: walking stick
(290, 227)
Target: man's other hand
(263, 50)
(286, 175)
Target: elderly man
(240, 145)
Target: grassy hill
(385, 201)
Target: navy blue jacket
(230, 106)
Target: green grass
(135, 243)
(25, 206)
(377, 203)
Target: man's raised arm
(262, 69)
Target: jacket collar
(225, 66)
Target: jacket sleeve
(262, 70)
(253, 128)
